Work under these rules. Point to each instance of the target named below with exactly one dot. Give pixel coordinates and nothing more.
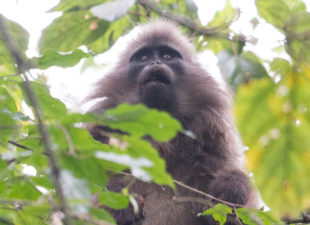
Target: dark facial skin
(155, 71)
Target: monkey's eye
(144, 58)
(167, 57)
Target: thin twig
(55, 171)
(192, 199)
(208, 195)
(19, 145)
(234, 205)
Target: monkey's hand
(231, 186)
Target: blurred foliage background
(272, 103)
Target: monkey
(159, 69)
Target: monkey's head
(157, 69)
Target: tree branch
(194, 27)
(305, 219)
(55, 171)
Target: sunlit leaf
(224, 16)
(274, 12)
(254, 217)
(19, 38)
(295, 6)
(72, 30)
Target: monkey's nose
(155, 62)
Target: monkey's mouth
(155, 80)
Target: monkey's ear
(98, 132)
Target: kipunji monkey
(159, 69)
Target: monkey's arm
(231, 186)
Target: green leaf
(254, 217)
(3, 189)
(112, 33)
(53, 58)
(298, 28)
(253, 114)
(51, 107)
(280, 66)
(275, 126)
(295, 6)
(218, 212)
(143, 160)
(274, 12)
(6, 101)
(72, 30)
(24, 190)
(87, 168)
(43, 181)
(19, 38)
(34, 215)
(215, 44)
(113, 10)
(113, 200)
(224, 16)
(238, 69)
(102, 214)
(139, 120)
(7, 127)
(3, 166)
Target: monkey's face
(154, 70)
